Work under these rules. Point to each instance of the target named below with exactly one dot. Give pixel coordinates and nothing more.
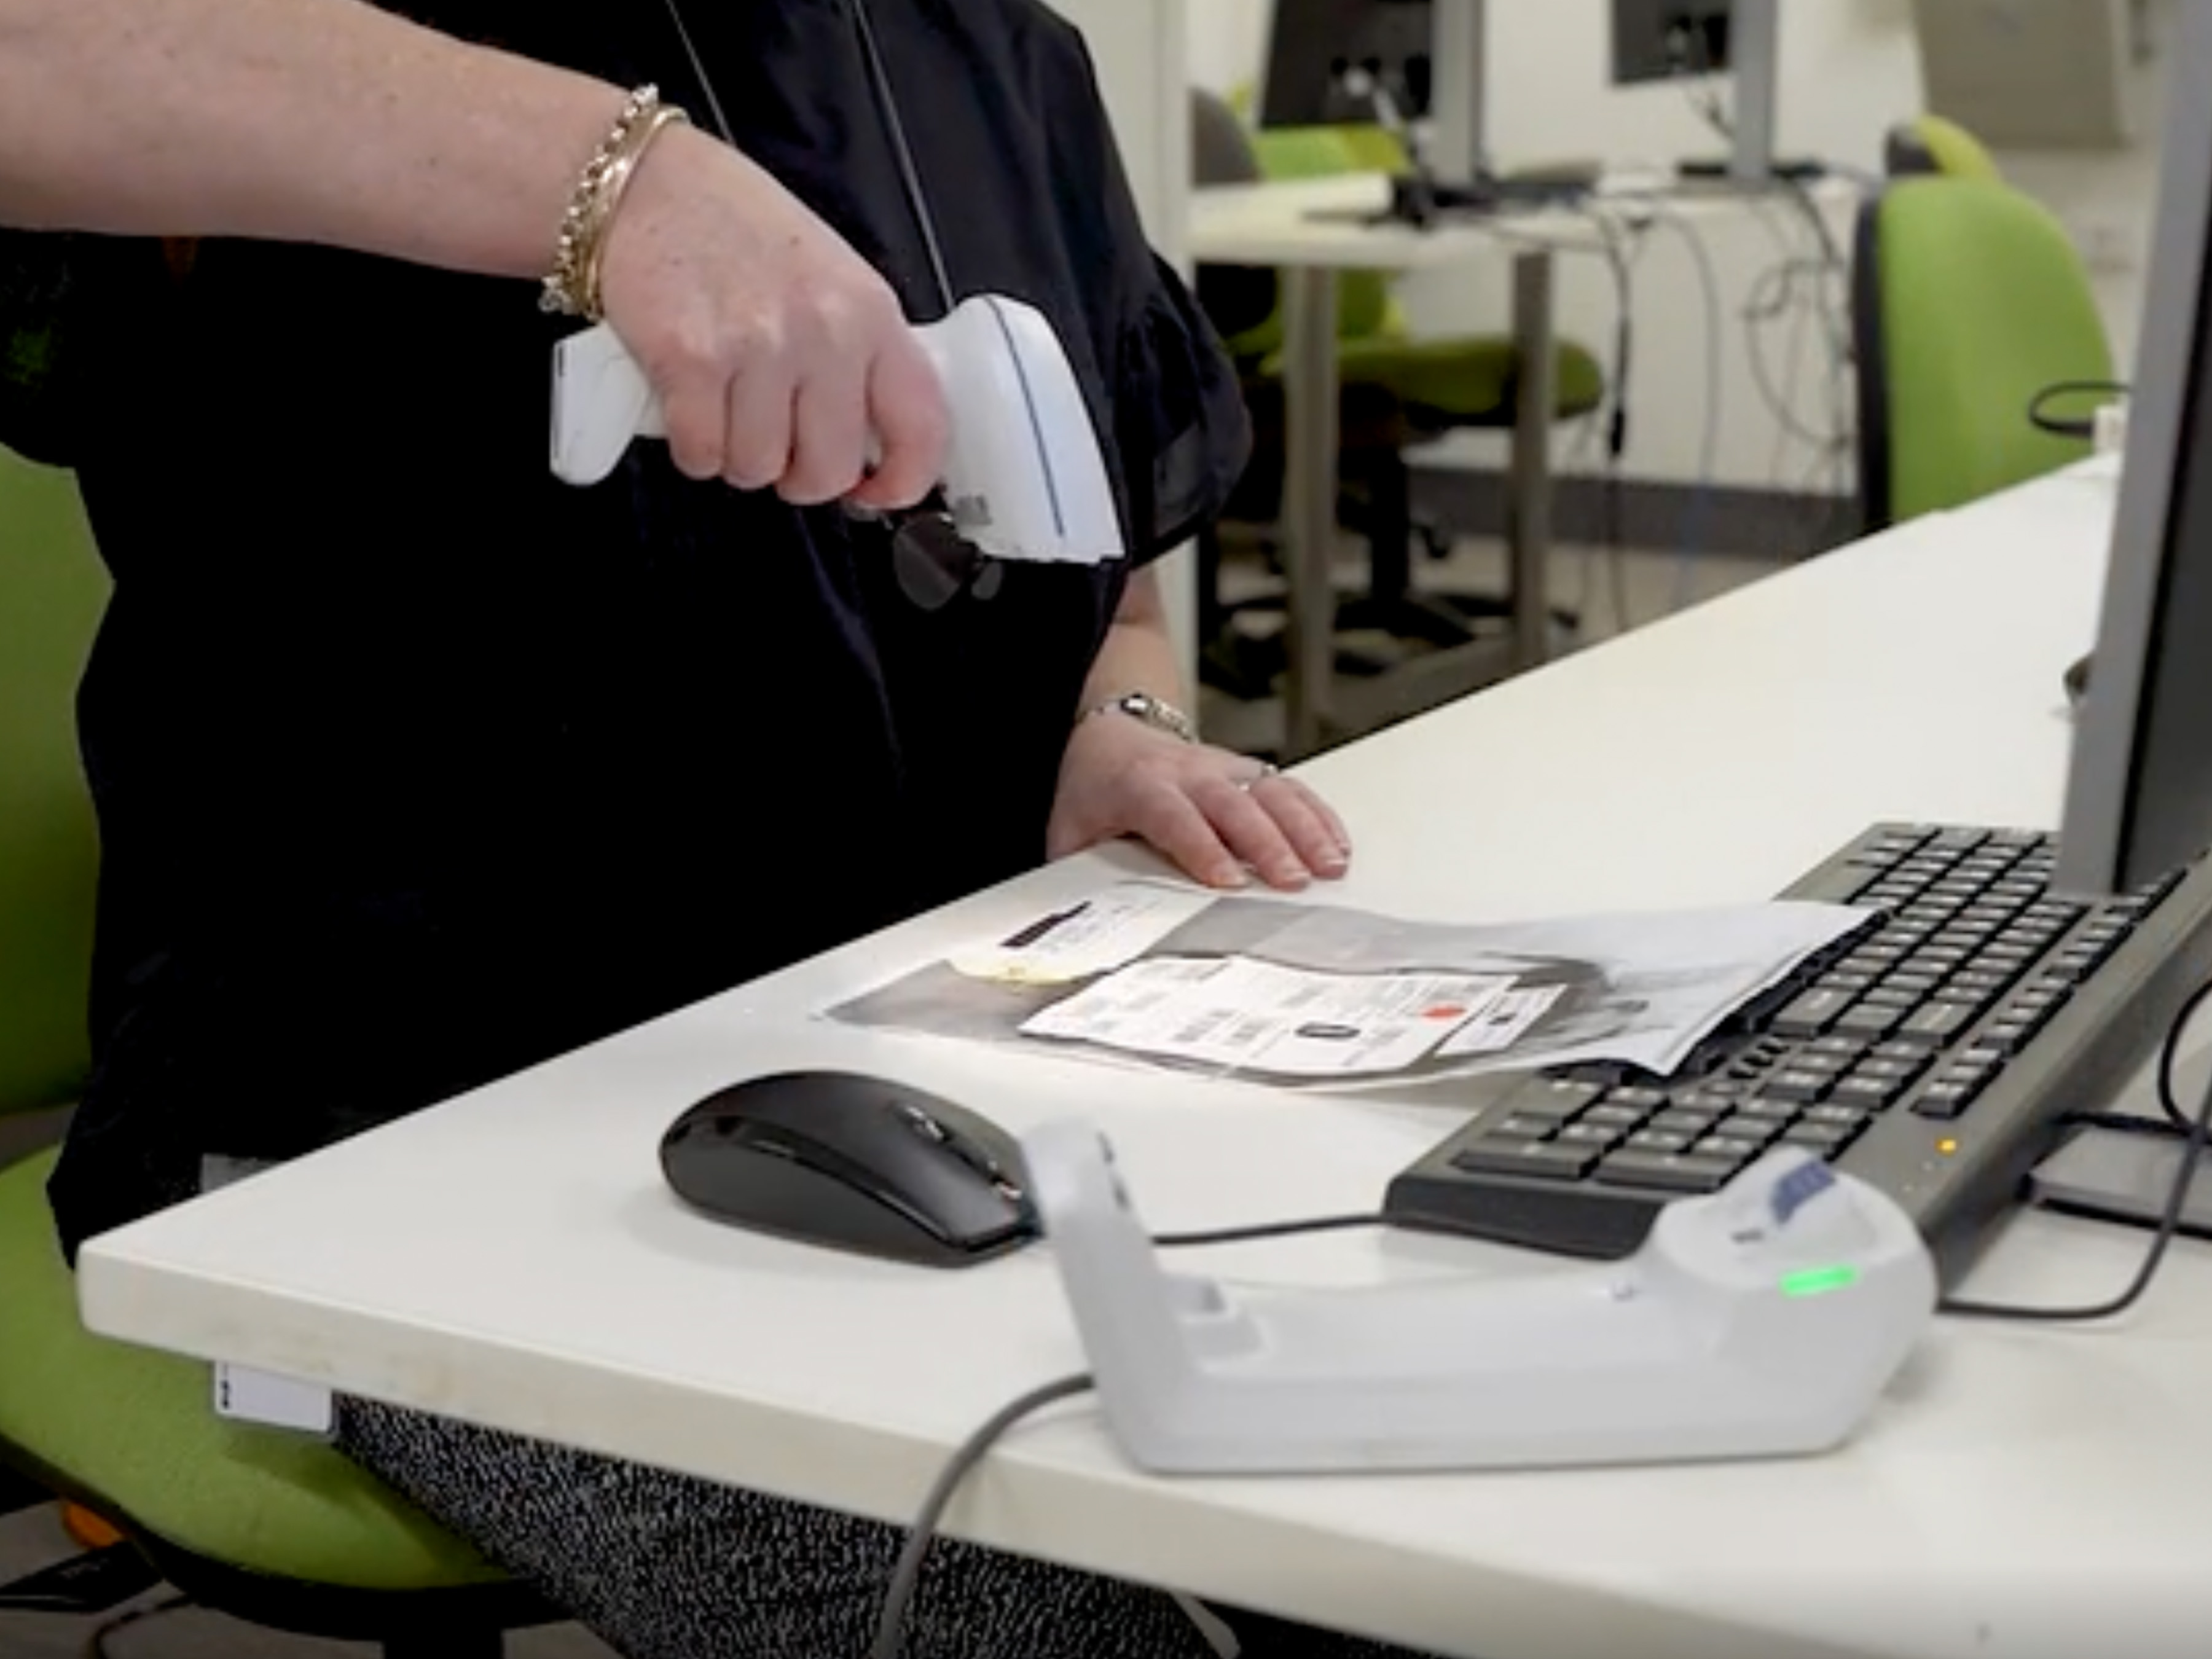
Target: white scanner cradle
(1023, 475)
(1764, 1321)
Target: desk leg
(1529, 531)
(1309, 422)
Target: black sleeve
(1182, 426)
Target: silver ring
(1247, 785)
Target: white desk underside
(2025, 1494)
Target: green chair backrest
(1956, 152)
(1363, 305)
(53, 590)
(1931, 144)
(1969, 300)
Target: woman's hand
(778, 353)
(1212, 813)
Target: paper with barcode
(1319, 995)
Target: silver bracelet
(1155, 712)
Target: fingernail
(1230, 875)
(1293, 876)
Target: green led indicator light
(1818, 1281)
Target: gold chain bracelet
(572, 288)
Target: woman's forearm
(320, 121)
(1138, 652)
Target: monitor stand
(1420, 199)
(1796, 170)
(2112, 1174)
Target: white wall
(1851, 68)
(1140, 48)
(2108, 198)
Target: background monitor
(1661, 39)
(1664, 39)
(2139, 799)
(1314, 41)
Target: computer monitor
(1313, 44)
(2139, 799)
(1665, 40)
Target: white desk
(513, 1258)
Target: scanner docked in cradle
(854, 1162)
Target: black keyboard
(1936, 1053)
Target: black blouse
(416, 767)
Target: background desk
(513, 1258)
(1311, 232)
(1283, 225)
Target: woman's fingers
(1250, 831)
(1162, 812)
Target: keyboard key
(1658, 1140)
(1870, 1020)
(1945, 1101)
(1523, 1126)
(1758, 1109)
(1827, 1139)
(1536, 1159)
(1812, 1014)
(1869, 1094)
(1937, 1023)
(1796, 1086)
(1737, 1150)
(1846, 883)
(1819, 1065)
(2034, 1015)
(1704, 1101)
(1841, 1115)
(1892, 996)
(1678, 1121)
(1612, 1115)
(1843, 1046)
(1674, 1172)
(1883, 1070)
(1553, 1097)
(1602, 1136)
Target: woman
(415, 767)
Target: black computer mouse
(854, 1163)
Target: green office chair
(1968, 300)
(1931, 144)
(1422, 389)
(265, 1525)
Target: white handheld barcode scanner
(1764, 1321)
(1023, 477)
